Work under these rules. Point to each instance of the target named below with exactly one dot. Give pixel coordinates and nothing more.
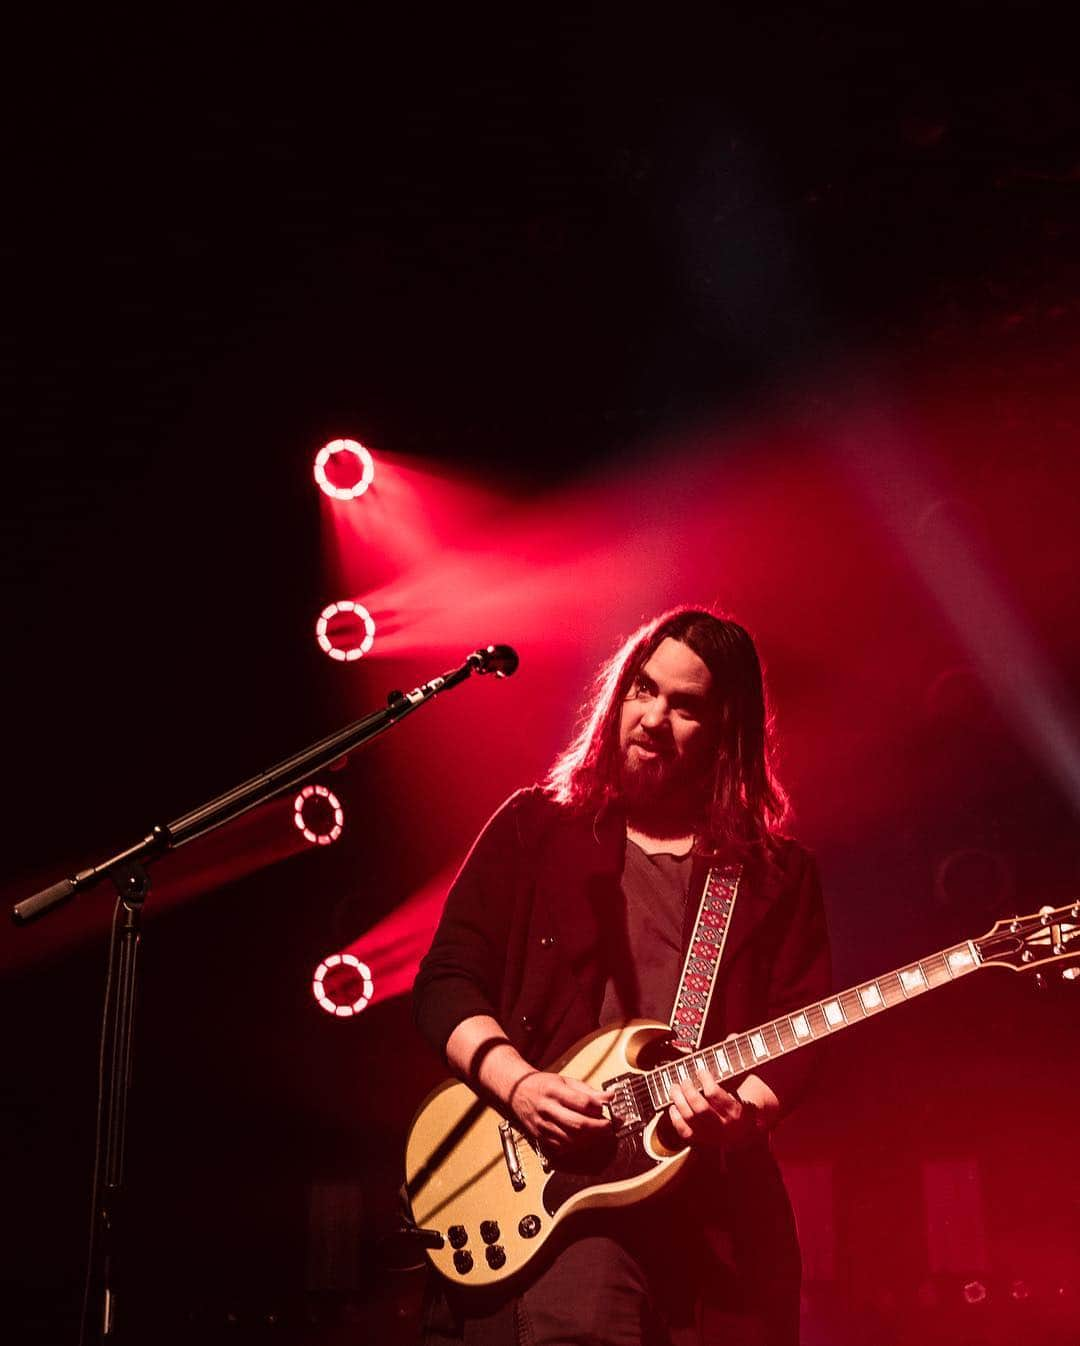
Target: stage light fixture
(355, 617)
(974, 876)
(348, 976)
(351, 469)
(304, 814)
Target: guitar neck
(741, 1053)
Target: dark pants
(652, 1276)
(597, 1293)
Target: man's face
(667, 729)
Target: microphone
(501, 660)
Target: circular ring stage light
(358, 980)
(352, 473)
(360, 620)
(974, 877)
(330, 806)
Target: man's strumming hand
(560, 1113)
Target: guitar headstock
(1051, 935)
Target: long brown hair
(747, 805)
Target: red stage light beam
(412, 515)
(253, 842)
(961, 579)
(391, 950)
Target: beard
(660, 788)
(645, 781)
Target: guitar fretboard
(742, 1052)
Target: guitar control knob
(489, 1231)
(496, 1256)
(529, 1226)
(463, 1262)
(457, 1236)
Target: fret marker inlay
(739, 1052)
(913, 979)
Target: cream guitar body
(476, 1178)
(485, 1201)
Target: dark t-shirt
(655, 890)
(618, 1256)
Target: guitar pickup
(510, 1154)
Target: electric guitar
(484, 1197)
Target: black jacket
(530, 933)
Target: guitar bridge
(510, 1154)
(623, 1105)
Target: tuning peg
(1045, 913)
(1071, 974)
(1040, 982)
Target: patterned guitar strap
(703, 956)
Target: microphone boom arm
(501, 660)
(128, 871)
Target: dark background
(518, 254)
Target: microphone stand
(128, 871)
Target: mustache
(661, 745)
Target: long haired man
(573, 910)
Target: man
(575, 909)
